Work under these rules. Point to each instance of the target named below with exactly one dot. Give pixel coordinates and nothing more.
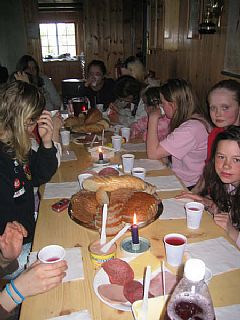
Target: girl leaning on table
(38, 278)
(187, 141)
(221, 192)
(22, 169)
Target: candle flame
(134, 219)
(83, 108)
(99, 149)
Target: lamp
(211, 17)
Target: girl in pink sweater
(151, 99)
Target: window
(57, 39)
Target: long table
(58, 228)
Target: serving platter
(92, 226)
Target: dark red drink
(175, 241)
(193, 209)
(187, 307)
(52, 259)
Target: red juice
(52, 259)
(186, 307)
(175, 241)
(193, 209)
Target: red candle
(100, 154)
(134, 229)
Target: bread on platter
(93, 116)
(125, 195)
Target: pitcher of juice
(191, 299)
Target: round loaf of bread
(93, 116)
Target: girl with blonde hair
(21, 168)
(187, 141)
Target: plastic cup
(51, 254)
(174, 247)
(82, 177)
(65, 136)
(156, 308)
(117, 142)
(194, 212)
(126, 133)
(117, 128)
(99, 106)
(98, 257)
(54, 112)
(139, 172)
(128, 162)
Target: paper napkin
(60, 190)
(228, 312)
(165, 183)
(174, 208)
(149, 165)
(218, 254)
(134, 147)
(79, 315)
(74, 262)
(68, 156)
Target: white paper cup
(126, 133)
(139, 172)
(117, 128)
(194, 212)
(82, 177)
(117, 142)
(99, 106)
(174, 247)
(65, 136)
(51, 254)
(54, 112)
(128, 162)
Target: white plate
(101, 277)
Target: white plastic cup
(82, 177)
(126, 133)
(174, 247)
(99, 106)
(117, 128)
(65, 136)
(54, 112)
(128, 162)
(51, 254)
(194, 212)
(117, 142)
(139, 172)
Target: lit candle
(100, 154)
(84, 110)
(134, 229)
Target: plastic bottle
(191, 299)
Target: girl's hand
(41, 277)
(22, 76)
(155, 114)
(11, 240)
(113, 113)
(223, 220)
(57, 125)
(190, 195)
(45, 128)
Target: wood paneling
(198, 60)
(59, 70)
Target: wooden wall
(113, 30)
(197, 60)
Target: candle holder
(133, 249)
(103, 162)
